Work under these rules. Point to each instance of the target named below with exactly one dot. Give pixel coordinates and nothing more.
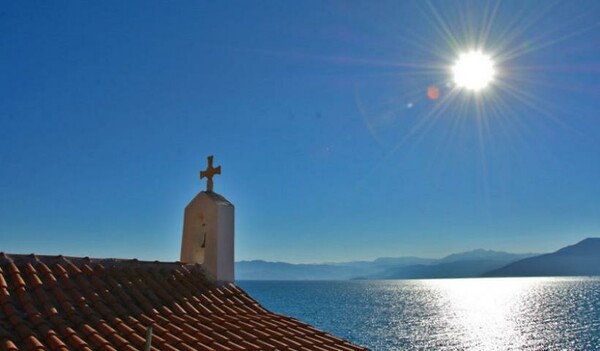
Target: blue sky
(317, 112)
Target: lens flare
(433, 93)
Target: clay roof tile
(8, 345)
(250, 346)
(204, 347)
(76, 343)
(32, 343)
(55, 343)
(220, 347)
(111, 302)
(265, 345)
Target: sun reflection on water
(484, 315)
(506, 313)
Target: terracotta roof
(65, 303)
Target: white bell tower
(208, 230)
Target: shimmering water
(453, 314)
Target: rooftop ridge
(77, 260)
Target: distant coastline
(580, 259)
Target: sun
(473, 71)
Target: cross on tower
(209, 173)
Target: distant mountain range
(466, 264)
(582, 258)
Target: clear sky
(319, 115)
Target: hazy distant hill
(402, 261)
(582, 258)
(467, 264)
(263, 270)
(461, 265)
(480, 254)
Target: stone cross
(209, 173)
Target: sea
(445, 314)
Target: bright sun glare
(473, 71)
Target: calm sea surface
(453, 314)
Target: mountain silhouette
(460, 265)
(485, 255)
(580, 259)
